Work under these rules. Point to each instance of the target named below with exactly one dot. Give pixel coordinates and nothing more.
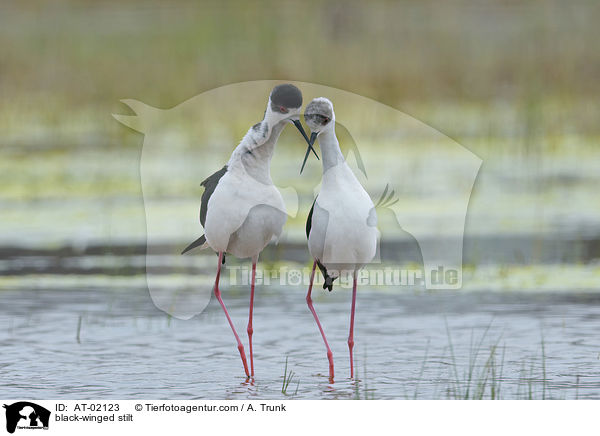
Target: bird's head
(285, 102)
(319, 117)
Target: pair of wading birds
(242, 210)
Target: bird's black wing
(309, 219)
(328, 280)
(210, 184)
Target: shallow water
(129, 349)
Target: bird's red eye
(283, 109)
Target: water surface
(129, 349)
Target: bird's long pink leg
(218, 295)
(250, 329)
(312, 309)
(351, 334)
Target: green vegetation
(362, 391)
(287, 379)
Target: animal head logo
(420, 181)
(24, 414)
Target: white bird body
(343, 230)
(246, 210)
(241, 209)
(342, 224)
(346, 213)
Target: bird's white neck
(330, 149)
(256, 149)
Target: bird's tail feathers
(200, 242)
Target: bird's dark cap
(286, 95)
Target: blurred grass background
(81, 57)
(515, 82)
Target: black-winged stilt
(342, 224)
(241, 209)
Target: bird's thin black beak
(298, 125)
(311, 141)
